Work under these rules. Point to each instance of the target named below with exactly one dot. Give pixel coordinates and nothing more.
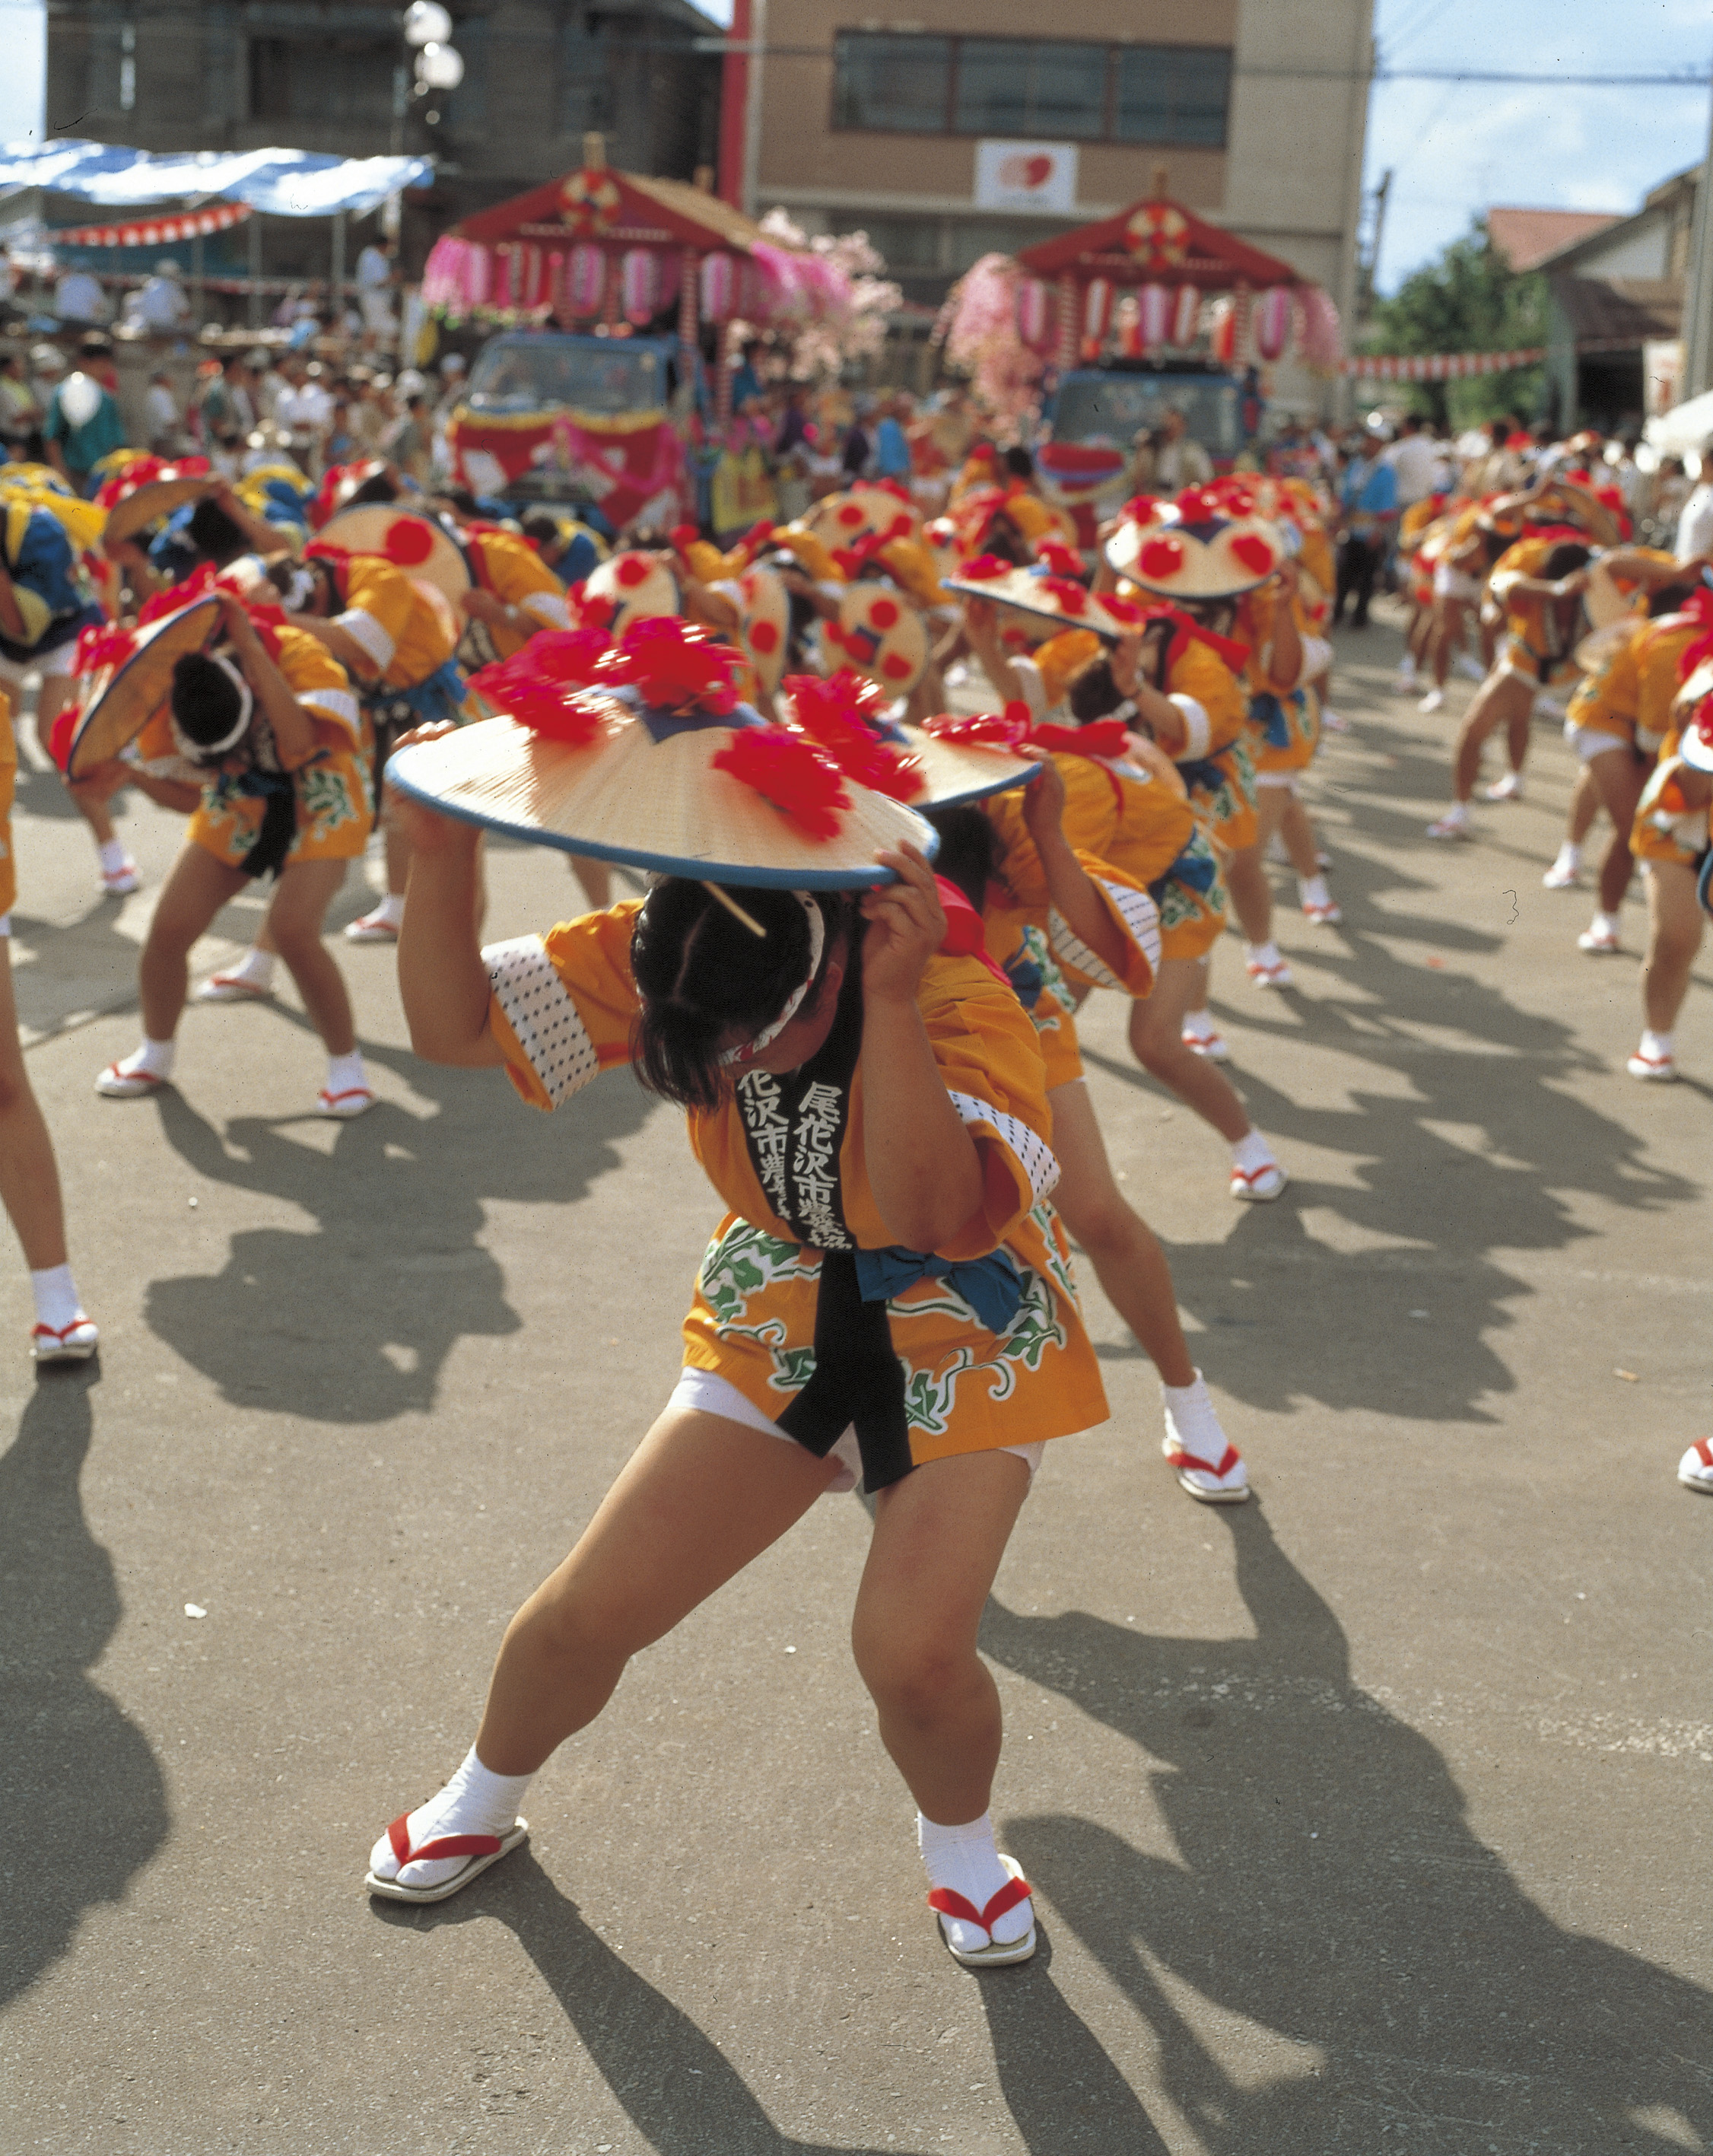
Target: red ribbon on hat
(965, 936)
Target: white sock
(1263, 954)
(1191, 1420)
(256, 967)
(472, 1802)
(1570, 855)
(112, 856)
(1407, 667)
(345, 1073)
(1603, 924)
(1458, 812)
(57, 1303)
(1251, 1152)
(964, 1859)
(1660, 1046)
(390, 910)
(1201, 1023)
(154, 1059)
(1313, 891)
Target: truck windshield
(545, 374)
(1114, 408)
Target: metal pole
(339, 272)
(752, 109)
(254, 310)
(195, 280)
(1698, 292)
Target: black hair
(382, 487)
(1219, 615)
(701, 973)
(1019, 463)
(970, 852)
(1669, 598)
(540, 526)
(1565, 559)
(214, 535)
(205, 700)
(1092, 692)
(1006, 543)
(465, 503)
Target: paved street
(1370, 1816)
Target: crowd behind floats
(864, 992)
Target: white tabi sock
(1263, 954)
(1312, 890)
(112, 856)
(345, 1073)
(1661, 1047)
(964, 1859)
(1201, 1023)
(1251, 1152)
(472, 1802)
(57, 1303)
(390, 909)
(256, 967)
(154, 1059)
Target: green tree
(1468, 299)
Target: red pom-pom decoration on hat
(409, 542)
(631, 570)
(1071, 599)
(1253, 552)
(1125, 611)
(796, 777)
(64, 726)
(1062, 559)
(984, 569)
(839, 715)
(1161, 558)
(671, 665)
(983, 729)
(105, 645)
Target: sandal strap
(445, 1845)
(1703, 1449)
(1254, 1175)
(1227, 1461)
(947, 1902)
(59, 1332)
(351, 1093)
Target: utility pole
(1698, 289)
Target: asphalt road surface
(1372, 1816)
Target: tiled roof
(1527, 237)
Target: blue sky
(1455, 148)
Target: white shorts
(57, 661)
(1588, 741)
(1291, 781)
(1449, 583)
(710, 1393)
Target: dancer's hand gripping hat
(639, 751)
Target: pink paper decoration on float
(1155, 301)
(1273, 321)
(639, 287)
(719, 288)
(1224, 339)
(1097, 311)
(1186, 314)
(1034, 313)
(585, 280)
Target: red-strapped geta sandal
(947, 1901)
(482, 1850)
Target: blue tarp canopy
(276, 182)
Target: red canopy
(598, 202)
(1157, 242)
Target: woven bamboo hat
(1046, 590)
(1194, 548)
(880, 632)
(129, 685)
(846, 715)
(637, 586)
(655, 763)
(413, 543)
(764, 625)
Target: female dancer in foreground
(873, 1112)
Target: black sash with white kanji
(794, 1127)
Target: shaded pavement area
(1370, 1816)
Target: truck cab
(1095, 414)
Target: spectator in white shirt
(166, 432)
(161, 305)
(1414, 458)
(303, 410)
(374, 278)
(78, 297)
(1695, 527)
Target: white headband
(203, 751)
(300, 590)
(746, 1050)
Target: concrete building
(933, 135)
(333, 75)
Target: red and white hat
(878, 510)
(413, 543)
(880, 633)
(1050, 589)
(764, 623)
(637, 586)
(1195, 548)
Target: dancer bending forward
(888, 1294)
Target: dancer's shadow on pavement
(686, 2098)
(1328, 1889)
(1472, 1141)
(352, 1321)
(81, 1792)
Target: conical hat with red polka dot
(764, 625)
(413, 543)
(638, 585)
(862, 512)
(1039, 592)
(881, 634)
(1194, 549)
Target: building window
(900, 84)
(895, 82)
(335, 81)
(1172, 93)
(1006, 86)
